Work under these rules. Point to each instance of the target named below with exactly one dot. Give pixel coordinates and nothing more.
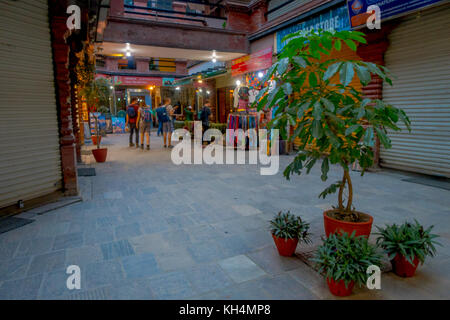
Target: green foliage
(288, 226)
(409, 239)
(331, 119)
(344, 257)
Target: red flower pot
(332, 225)
(286, 247)
(96, 139)
(403, 267)
(338, 287)
(100, 154)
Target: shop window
(100, 62)
(163, 65)
(127, 64)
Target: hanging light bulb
(238, 82)
(260, 74)
(214, 60)
(128, 54)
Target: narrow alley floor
(148, 229)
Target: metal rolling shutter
(29, 140)
(419, 57)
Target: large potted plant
(343, 260)
(406, 246)
(287, 231)
(96, 92)
(332, 119)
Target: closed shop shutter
(419, 58)
(345, 54)
(29, 140)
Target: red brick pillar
(238, 17)
(258, 14)
(60, 49)
(373, 51)
(116, 8)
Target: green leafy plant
(288, 226)
(346, 257)
(96, 92)
(331, 118)
(409, 239)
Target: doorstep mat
(11, 223)
(86, 172)
(442, 183)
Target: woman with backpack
(145, 119)
(131, 117)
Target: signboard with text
(133, 81)
(260, 60)
(357, 9)
(333, 19)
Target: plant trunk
(97, 132)
(346, 180)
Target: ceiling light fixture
(238, 83)
(177, 88)
(214, 60)
(260, 74)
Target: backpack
(147, 115)
(131, 112)
(162, 114)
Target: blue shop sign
(334, 19)
(357, 9)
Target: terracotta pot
(332, 225)
(100, 154)
(286, 247)
(403, 267)
(338, 287)
(95, 138)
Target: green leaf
(331, 71)
(312, 79)
(352, 129)
(287, 88)
(328, 104)
(363, 75)
(383, 138)
(300, 61)
(317, 111)
(350, 44)
(282, 65)
(346, 73)
(338, 45)
(317, 130)
(368, 137)
(325, 168)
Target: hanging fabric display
(245, 122)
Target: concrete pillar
(116, 8)
(258, 14)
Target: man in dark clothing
(131, 117)
(204, 115)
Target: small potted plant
(343, 259)
(287, 230)
(96, 92)
(406, 246)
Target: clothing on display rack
(245, 122)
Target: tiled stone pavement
(148, 229)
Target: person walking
(131, 117)
(144, 120)
(204, 116)
(164, 120)
(159, 123)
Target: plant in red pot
(287, 231)
(407, 245)
(343, 259)
(334, 123)
(96, 93)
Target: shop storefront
(418, 56)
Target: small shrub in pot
(407, 245)
(343, 259)
(287, 231)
